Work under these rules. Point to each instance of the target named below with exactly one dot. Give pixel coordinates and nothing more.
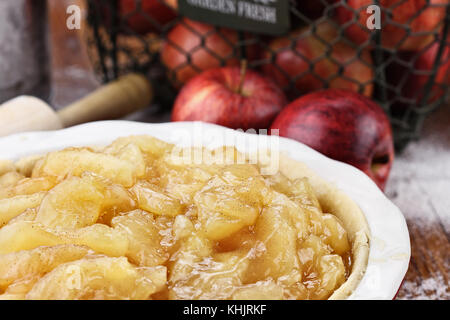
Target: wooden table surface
(419, 184)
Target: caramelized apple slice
(335, 234)
(144, 247)
(101, 278)
(12, 207)
(153, 200)
(147, 144)
(28, 186)
(36, 262)
(74, 203)
(10, 179)
(26, 235)
(6, 166)
(261, 290)
(214, 277)
(331, 273)
(277, 254)
(78, 161)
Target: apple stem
(243, 72)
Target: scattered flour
(420, 179)
(428, 289)
(419, 185)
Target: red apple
(193, 47)
(149, 16)
(412, 81)
(344, 126)
(415, 16)
(229, 97)
(292, 62)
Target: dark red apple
(416, 78)
(148, 16)
(344, 126)
(310, 64)
(230, 97)
(192, 47)
(409, 27)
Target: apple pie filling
(128, 221)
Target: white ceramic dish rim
(389, 243)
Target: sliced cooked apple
(12, 207)
(27, 235)
(95, 278)
(275, 256)
(36, 262)
(74, 203)
(77, 161)
(156, 201)
(144, 247)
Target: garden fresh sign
(260, 16)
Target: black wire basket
(404, 65)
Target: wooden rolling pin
(114, 100)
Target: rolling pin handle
(111, 101)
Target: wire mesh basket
(404, 65)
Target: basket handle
(114, 100)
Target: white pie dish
(389, 243)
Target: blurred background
(408, 76)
